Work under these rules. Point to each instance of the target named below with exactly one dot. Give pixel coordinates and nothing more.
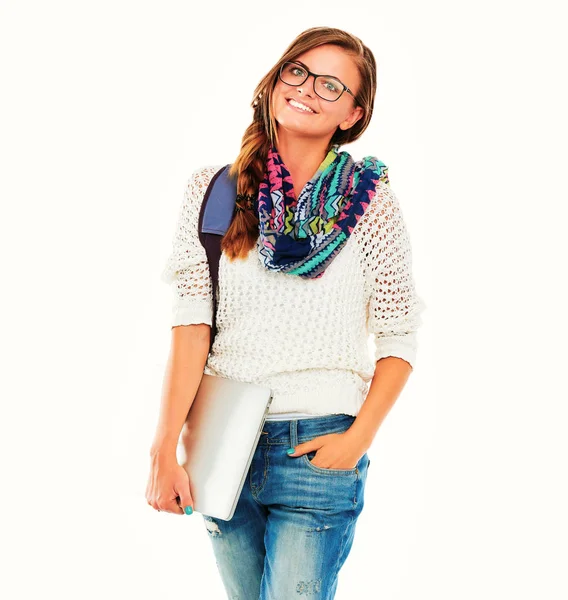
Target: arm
(188, 355)
(187, 270)
(394, 310)
(391, 375)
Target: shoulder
(196, 185)
(384, 209)
(201, 177)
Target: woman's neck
(302, 158)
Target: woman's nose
(305, 87)
(304, 90)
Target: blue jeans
(294, 523)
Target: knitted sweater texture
(306, 339)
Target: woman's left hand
(333, 451)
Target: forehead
(330, 60)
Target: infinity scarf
(302, 236)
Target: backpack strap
(215, 217)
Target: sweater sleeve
(394, 308)
(187, 268)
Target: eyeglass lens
(328, 88)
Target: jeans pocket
(307, 458)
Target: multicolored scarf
(302, 236)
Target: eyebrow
(324, 74)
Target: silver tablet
(218, 440)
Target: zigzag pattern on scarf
(301, 236)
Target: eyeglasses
(325, 86)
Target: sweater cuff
(192, 313)
(401, 346)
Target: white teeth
(298, 105)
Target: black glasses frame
(315, 76)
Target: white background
(106, 109)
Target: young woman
(316, 259)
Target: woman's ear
(355, 115)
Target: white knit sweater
(306, 339)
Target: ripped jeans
(294, 523)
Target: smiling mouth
(309, 112)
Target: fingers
(183, 491)
(166, 502)
(185, 503)
(172, 506)
(169, 491)
(162, 505)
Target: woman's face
(327, 116)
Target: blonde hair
(248, 168)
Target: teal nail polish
(188, 510)
(290, 451)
